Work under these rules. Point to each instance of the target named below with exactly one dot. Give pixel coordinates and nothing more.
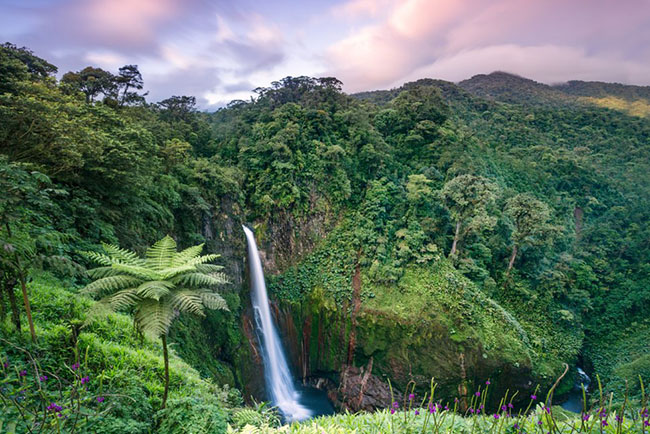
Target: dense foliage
(498, 198)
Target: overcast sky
(219, 50)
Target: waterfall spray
(279, 382)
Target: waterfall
(279, 382)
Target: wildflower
(618, 418)
(471, 410)
(411, 396)
(646, 422)
(605, 423)
(496, 416)
(446, 407)
(417, 413)
(533, 397)
(86, 379)
(477, 393)
(510, 405)
(54, 407)
(395, 405)
(455, 399)
(539, 422)
(43, 378)
(432, 408)
(75, 366)
(6, 364)
(59, 414)
(487, 383)
(504, 408)
(585, 417)
(22, 373)
(548, 410)
(392, 411)
(100, 399)
(516, 426)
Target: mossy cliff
(432, 322)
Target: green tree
(468, 197)
(530, 219)
(92, 82)
(129, 77)
(158, 287)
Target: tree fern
(160, 286)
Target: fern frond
(110, 284)
(123, 299)
(214, 301)
(187, 301)
(97, 311)
(136, 271)
(161, 254)
(124, 256)
(208, 268)
(99, 272)
(191, 252)
(98, 258)
(202, 259)
(155, 289)
(200, 279)
(154, 318)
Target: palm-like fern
(159, 286)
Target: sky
(220, 50)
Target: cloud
(546, 63)
(457, 38)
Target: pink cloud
(123, 20)
(414, 35)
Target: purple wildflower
(646, 422)
(516, 426)
(496, 416)
(539, 422)
(487, 383)
(585, 417)
(478, 393)
(446, 407)
(85, 379)
(100, 399)
(6, 364)
(395, 405)
(605, 423)
(22, 373)
(417, 413)
(510, 405)
(75, 366)
(533, 397)
(504, 408)
(411, 396)
(54, 407)
(432, 408)
(43, 378)
(392, 411)
(548, 410)
(471, 410)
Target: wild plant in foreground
(35, 400)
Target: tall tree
(129, 77)
(530, 218)
(92, 82)
(159, 286)
(468, 198)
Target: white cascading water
(279, 382)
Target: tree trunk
(166, 358)
(456, 236)
(15, 314)
(3, 309)
(577, 215)
(28, 309)
(512, 259)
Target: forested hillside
(491, 229)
